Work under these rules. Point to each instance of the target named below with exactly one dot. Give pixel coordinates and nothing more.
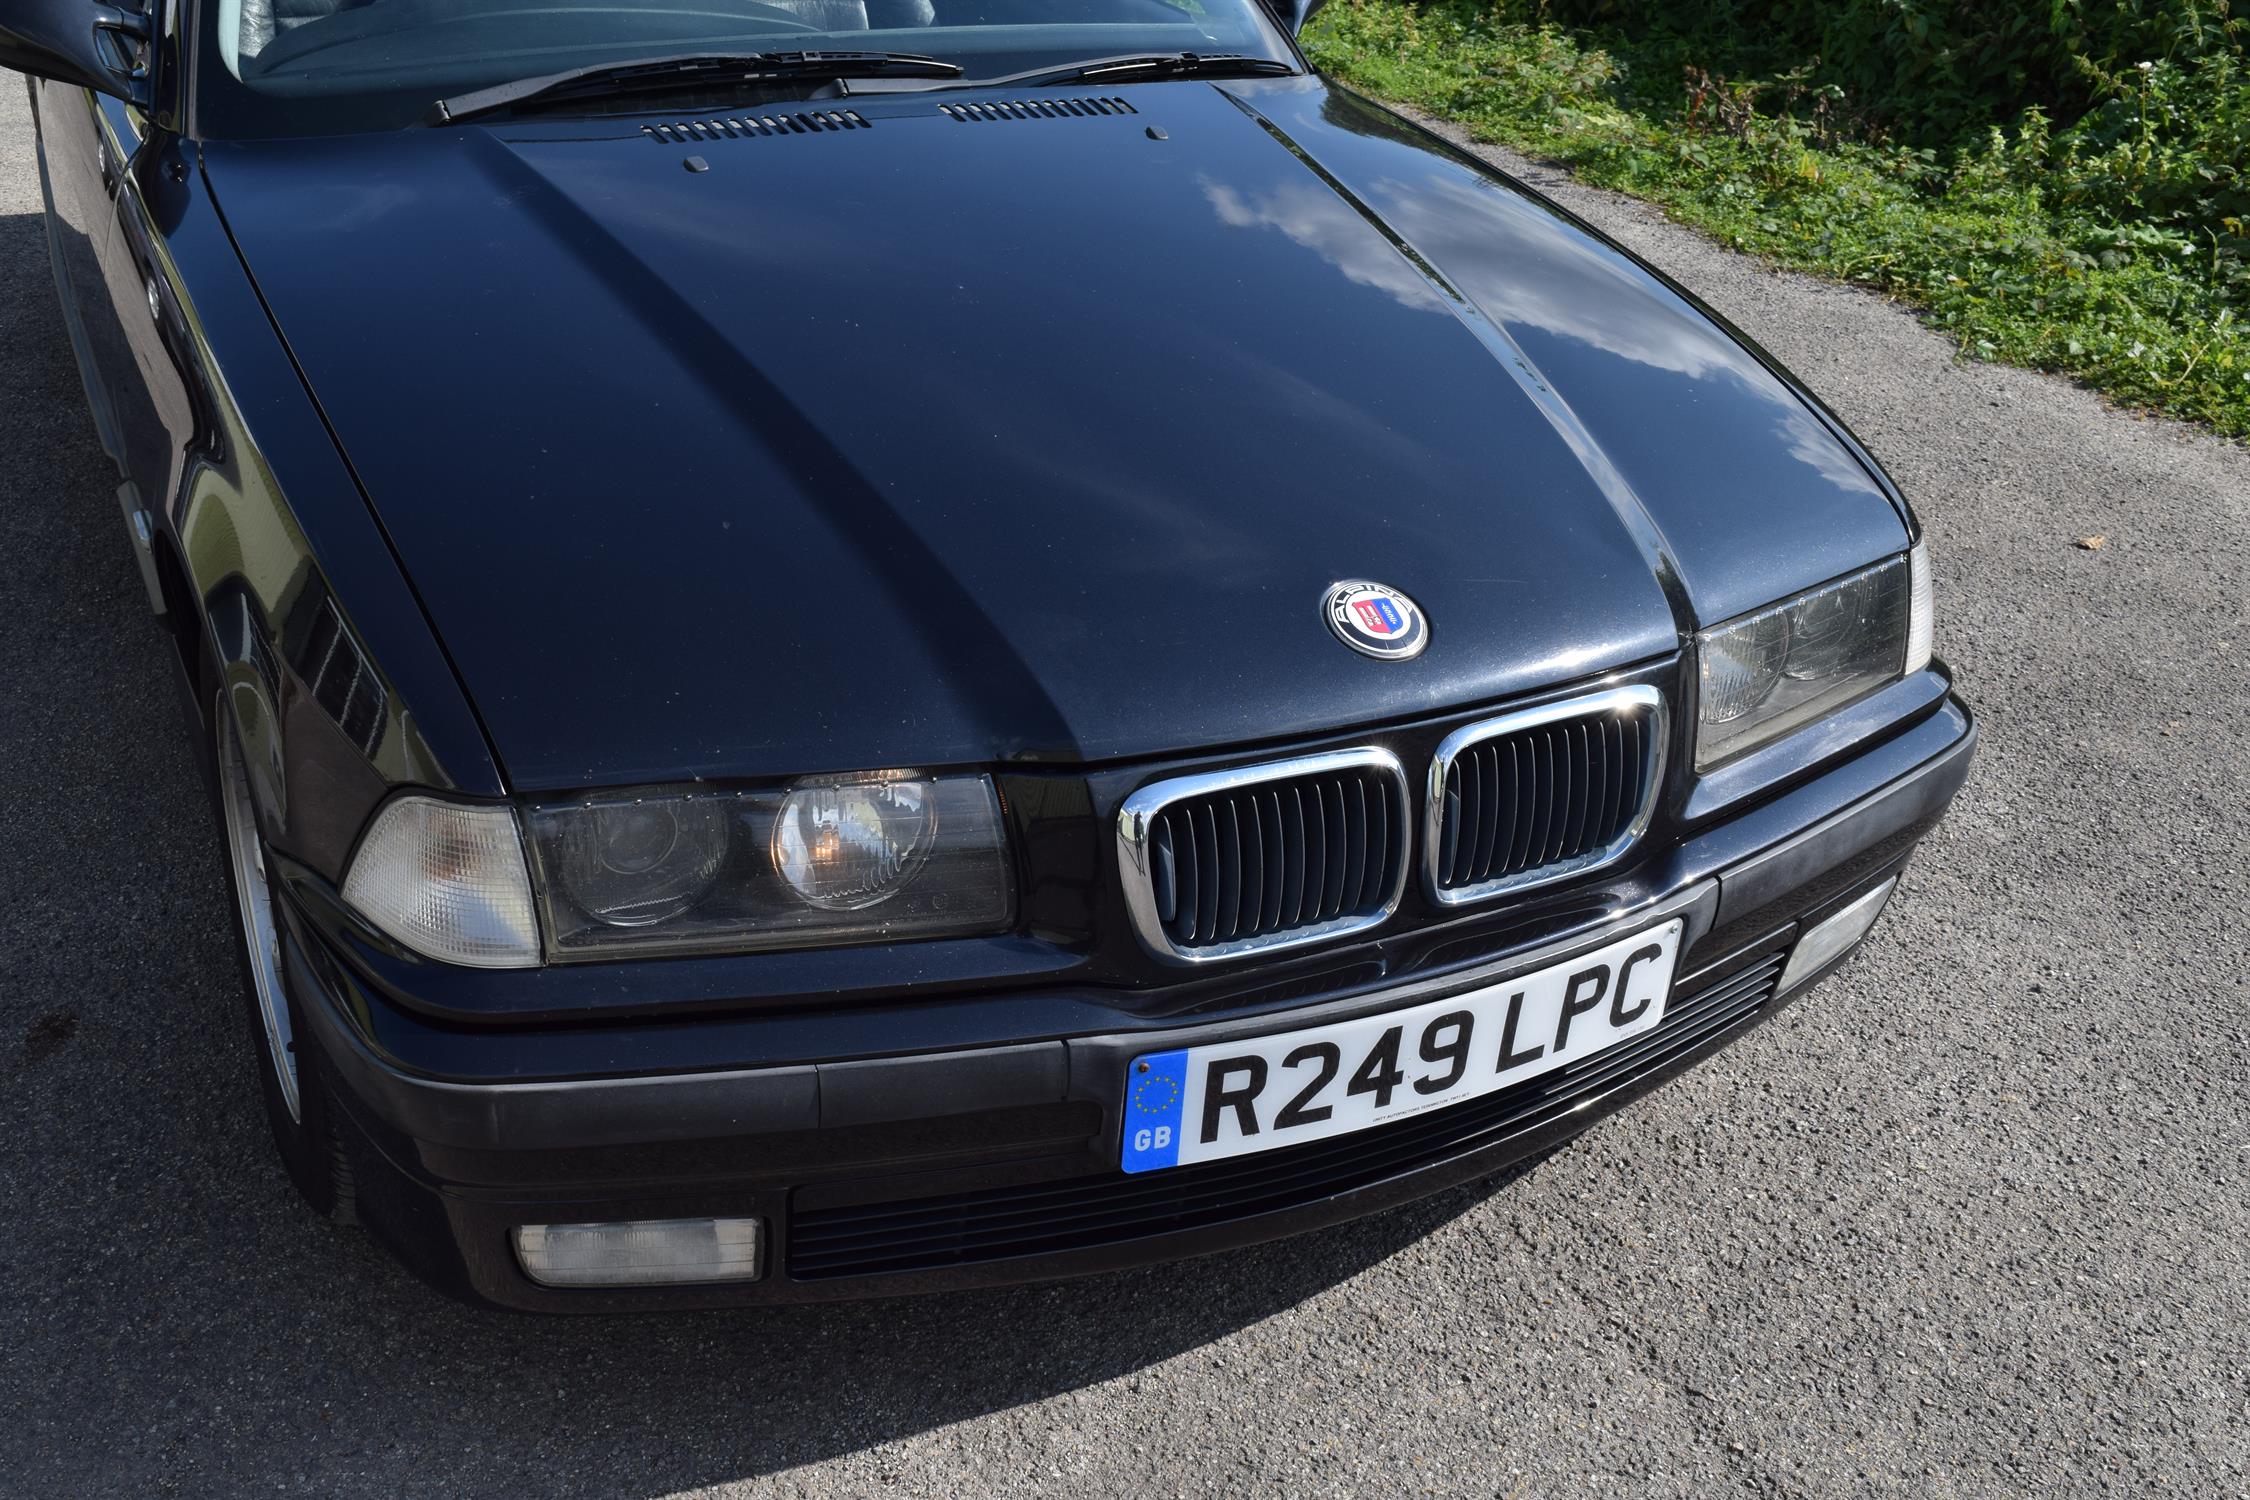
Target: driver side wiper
(652, 75)
(1155, 65)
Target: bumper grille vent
(1268, 857)
(1084, 1213)
(1544, 794)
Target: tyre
(298, 1106)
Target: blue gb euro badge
(1155, 1091)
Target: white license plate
(1260, 1093)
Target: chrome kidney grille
(1299, 851)
(1268, 857)
(1541, 795)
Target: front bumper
(980, 1165)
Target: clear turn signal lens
(1921, 629)
(448, 880)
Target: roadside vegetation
(2063, 184)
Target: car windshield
(315, 66)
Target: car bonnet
(939, 428)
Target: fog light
(649, 1252)
(1832, 937)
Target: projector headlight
(1767, 674)
(849, 859)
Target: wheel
(297, 1102)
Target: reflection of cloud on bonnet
(1526, 269)
(1812, 444)
(351, 206)
(1314, 217)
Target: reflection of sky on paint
(1314, 217)
(346, 207)
(1527, 270)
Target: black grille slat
(1190, 877)
(1542, 752)
(1292, 804)
(1566, 756)
(1613, 752)
(1087, 1212)
(1227, 817)
(1270, 882)
(1316, 855)
(1251, 863)
(1586, 813)
(1332, 817)
(1498, 782)
(1207, 850)
(1376, 854)
(1558, 795)
(1527, 798)
(1354, 799)
(1164, 877)
(1469, 808)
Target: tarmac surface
(1969, 1220)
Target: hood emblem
(1375, 620)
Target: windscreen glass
(302, 67)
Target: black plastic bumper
(978, 1166)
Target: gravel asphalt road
(1970, 1220)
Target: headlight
(833, 860)
(847, 846)
(447, 879)
(1774, 671)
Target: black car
(854, 646)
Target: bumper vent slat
(1542, 795)
(1086, 1213)
(1267, 857)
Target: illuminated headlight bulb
(848, 845)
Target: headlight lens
(1777, 670)
(637, 863)
(447, 879)
(847, 846)
(835, 860)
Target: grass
(1995, 239)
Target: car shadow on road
(176, 1317)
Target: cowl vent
(1035, 109)
(737, 127)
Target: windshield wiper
(696, 70)
(1154, 65)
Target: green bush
(2075, 210)
(1939, 68)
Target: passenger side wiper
(703, 70)
(1154, 65)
